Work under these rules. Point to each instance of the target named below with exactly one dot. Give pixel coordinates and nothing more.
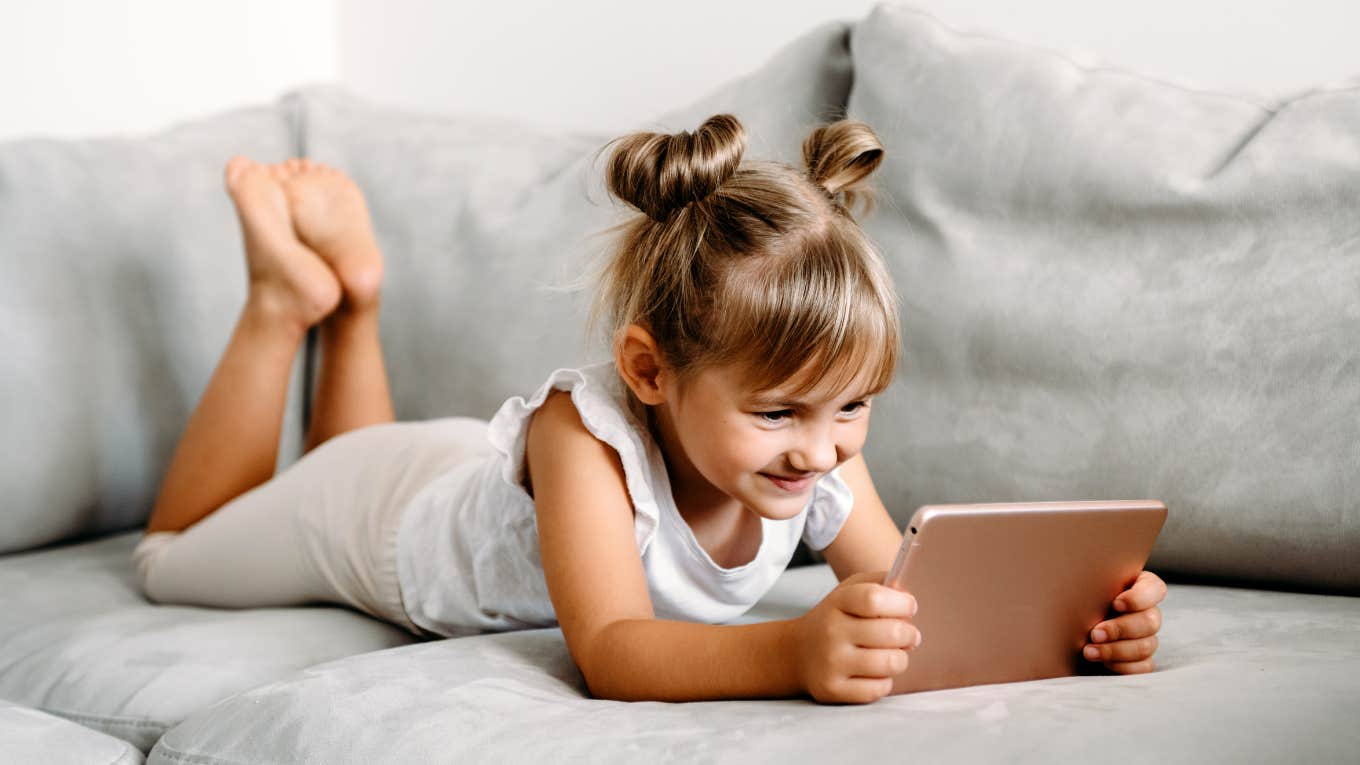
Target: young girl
(635, 502)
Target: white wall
(591, 64)
(87, 67)
(610, 64)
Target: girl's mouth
(793, 487)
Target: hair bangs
(814, 321)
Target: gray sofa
(1113, 287)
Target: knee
(144, 557)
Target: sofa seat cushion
(31, 736)
(1253, 674)
(1116, 288)
(80, 641)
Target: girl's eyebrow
(778, 400)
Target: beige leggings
(322, 530)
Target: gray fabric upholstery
(1116, 288)
(1248, 673)
(78, 640)
(1245, 675)
(474, 214)
(121, 277)
(480, 219)
(37, 738)
(1159, 304)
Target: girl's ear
(639, 362)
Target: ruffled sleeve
(593, 397)
(831, 503)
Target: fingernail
(918, 639)
(1099, 636)
(1092, 652)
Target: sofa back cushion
(121, 277)
(122, 272)
(1117, 288)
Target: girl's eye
(775, 417)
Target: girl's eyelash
(857, 404)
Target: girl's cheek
(760, 453)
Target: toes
(236, 166)
(363, 280)
(308, 165)
(294, 165)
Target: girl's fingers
(1146, 592)
(1131, 667)
(878, 662)
(870, 600)
(863, 690)
(1121, 651)
(1128, 626)
(886, 633)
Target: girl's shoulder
(580, 415)
(556, 429)
(592, 391)
(556, 423)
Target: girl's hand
(852, 644)
(1126, 643)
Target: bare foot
(331, 217)
(285, 276)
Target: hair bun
(659, 173)
(839, 158)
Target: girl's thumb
(876, 577)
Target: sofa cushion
(1117, 288)
(121, 279)
(78, 640)
(480, 217)
(1243, 674)
(31, 736)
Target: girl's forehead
(731, 379)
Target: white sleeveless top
(467, 546)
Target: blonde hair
(751, 263)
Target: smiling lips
(794, 484)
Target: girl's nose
(816, 456)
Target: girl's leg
(330, 217)
(230, 443)
(352, 389)
(323, 530)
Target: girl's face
(725, 444)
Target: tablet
(1010, 591)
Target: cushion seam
(178, 755)
(128, 722)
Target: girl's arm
(869, 540)
(599, 590)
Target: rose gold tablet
(1010, 591)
